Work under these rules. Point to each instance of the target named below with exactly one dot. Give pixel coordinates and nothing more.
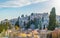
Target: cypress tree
(52, 19)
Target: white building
(32, 16)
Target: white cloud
(19, 3)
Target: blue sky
(10, 9)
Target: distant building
(24, 19)
(32, 16)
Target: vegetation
(52, 20)
(40, 24)
(31, 14)
(35, 22)
(1, 28)
(4, 26)
(22, 15)
(17, 23)
(28, 24)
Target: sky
(10, 9)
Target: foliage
(17, 22)
(8, 25)
(16, 27)
(28, 25)
(32, 14)
(35, 22)
(40, 24)
(1, 28)
(4, 26)
(52, 20)
(31, 22)
(22, 15)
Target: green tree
(17, 22)
(8, 25)
(32, 14)
(1, 28)
(22, 15)
(52, 20)
(40, 24)
(28, 24)
(35, 22)
(4, 26)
